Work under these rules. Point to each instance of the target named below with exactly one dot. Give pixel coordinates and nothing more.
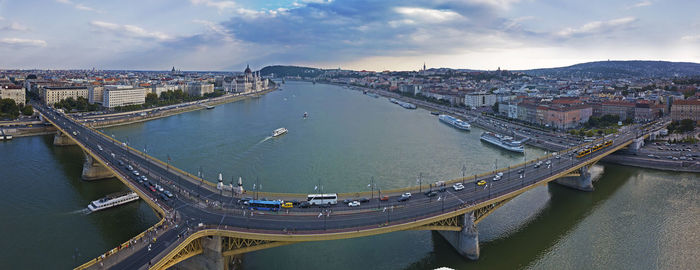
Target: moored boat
(505, 142)
(457, 123)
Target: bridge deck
(198, 202)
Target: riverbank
(149, 115)
(627, 160)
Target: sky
(226, 35)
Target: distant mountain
(621, 69)
(282, 71)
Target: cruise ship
(502, 141)
(406, 105)
(113, 199)
(278, 132)
(454, 122)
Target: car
(500, 174)
(431, 193)
(403, 198)
(295, 202)
(346, 201)
(244, 200)
(164, 197)
(354, 204)
(99, 147)
(496, 178)
(121, 163)
(304, 204)
(521, 171)
(548, 162)
(128, 167)
(363, 200)
(168, 193)
(458, 186)
(407, 194)
(287, 205)
(481, 183)
(136, 173)
(152, 188)
(384, 198)
(442, 189)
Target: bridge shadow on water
(523, 247)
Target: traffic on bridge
(192, 207)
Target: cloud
(78, 6)
(14, 26)
(645, 3)
(216, 28)
(129, 30)
(691, 38)
(21, 42)
(220, 5)
(428, 15)
(596, 27)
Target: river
(635, 218)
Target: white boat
(113, 199)
(454, 122)
(502, 141)
(278, 132)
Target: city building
(95, 94)
(247, 83)
(158, 89)
(198, 88)
(53, 94)
(686, 109)
(13, 92)
(475, 100)
(120, 95)
(624, 109)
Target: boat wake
(262, 141)
(82, 212)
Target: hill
(621, 69)
(282, 71)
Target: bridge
(204, 220)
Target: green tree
(686, 125)
(8, 108)
(28, 110)
(151, 99)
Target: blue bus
(264, 205)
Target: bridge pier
(636, 144)
(61, 139)
(93, 170)
(466, 241)
(210, 259)
(583, 182)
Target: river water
(635, 218)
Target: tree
(151, 99)
(28, 110)
(8, 108)
(686, 125)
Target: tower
(423, 66)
